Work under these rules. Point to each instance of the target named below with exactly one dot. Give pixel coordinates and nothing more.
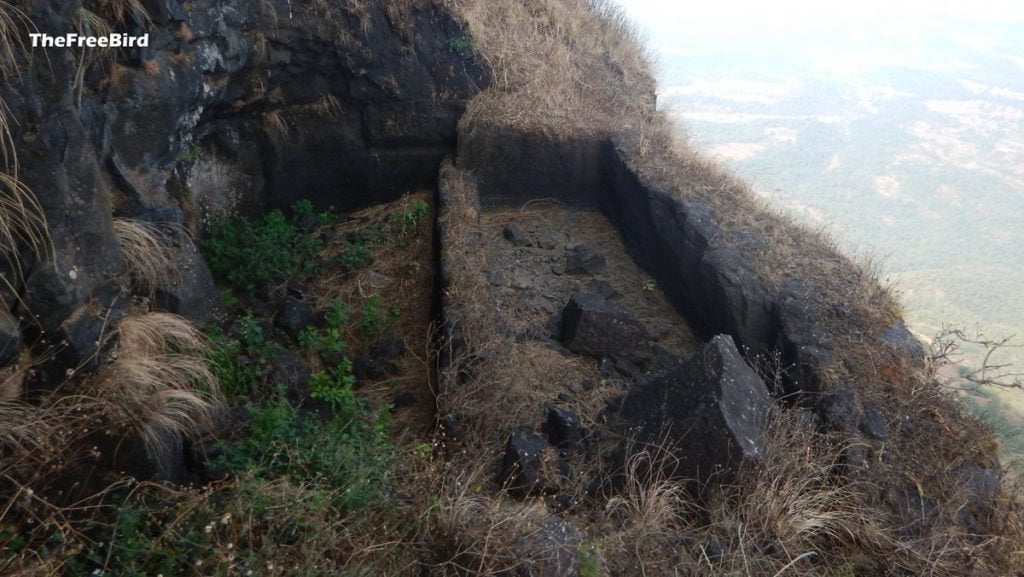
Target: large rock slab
(593, 325)
(711, 410)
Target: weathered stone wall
(514, 167)
(676, 240)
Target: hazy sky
(733, 17)
(841, 37)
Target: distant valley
(916, 162)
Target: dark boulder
(602, 289)
(516, 236)
(802, 339)
(10, 339)
(370, 369)
(294, 316)
(914, 513)
(900, 338)
(290, 372)
(563, 429)
(979, 488)
(591, 325)
(547, 241)
(530, 465)
(712, 410)
(389, 349)
(744, 305)
(191, 292)
(584, 260)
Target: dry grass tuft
(122, 10)
(559, 65)
(277, 128)
(22, 223)
(149, 251)
(158, 380)
(650, 503)
(797, 497)
(12, 43)
(475, 533)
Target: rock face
(230, 107)
(191, 293)
(712, 411)
(595, 326)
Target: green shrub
(250, 256)
(375, 322)
(347, 452)
(334, 386)
(337, 314)
(222, 356)
(409, 218)
(327, 341)
(355, 256)
(323, 342)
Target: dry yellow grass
(561, 66)
(12, 23)
(22, 223)
(158, 380)
(149, 252)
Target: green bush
(327, 341)
(409, 218)
(355, 256)
(323, 342)
(222, 356)
(347, 452)
(334, 386)
(375, 320)
(250, 256)
(225, 352)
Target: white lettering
(73, 40)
